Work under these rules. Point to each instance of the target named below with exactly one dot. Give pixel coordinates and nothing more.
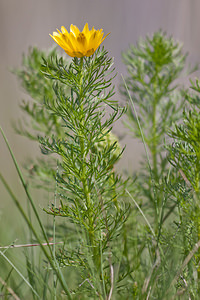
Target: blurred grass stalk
(49, 255)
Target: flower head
(79, 44)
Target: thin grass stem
(138, 207)
(19, 273)
(144, 143)
(53, 264)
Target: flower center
(81, 38)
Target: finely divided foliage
(133, 239)
(154, 66)
(89, 186)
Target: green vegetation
(110, 237)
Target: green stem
(82, 144)
(197, 174)
(154, 152)
(26, 189)
(54, 237)
(84, 162)
(154, 145)
(53, 264)
(86, 191)
(197, 196)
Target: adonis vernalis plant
(87, 185)
(72, 123)
(105, 245)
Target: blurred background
(26, 23)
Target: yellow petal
(63, 29)
(82, 42)
(74, 29)
(73, 42)
(59, 31)
(55, 34)
(58, 40)
(86, 29)
(104, 38)
(70, 53)
(90, 52)
(68, 42)
(93, 40)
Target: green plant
(154, 66)
(185, 158)
(109, 239)
(156, 102)
(73, 110)
(91, 193)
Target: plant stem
(197, 196)
(154, 150)
(84, 162)
(154, 141)
(53, 264)
(54, 238)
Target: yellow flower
(78, 43)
